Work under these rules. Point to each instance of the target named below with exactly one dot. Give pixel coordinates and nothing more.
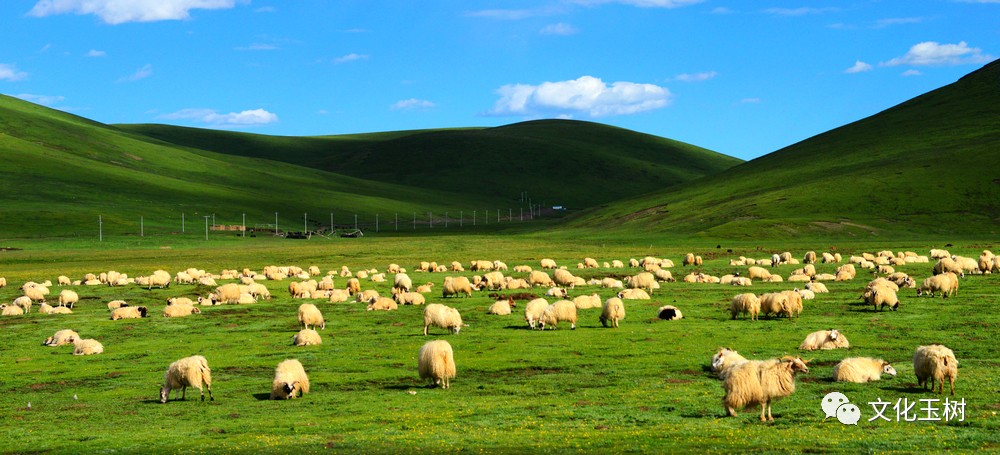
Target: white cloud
(122, 11)
(44, 100)
(10, 73)
(695, 77)
(909, 73)
(587, 95)
(750, 101)
(644, 3)
(722, 10)
(96, 53)
(804, 11)
(141, 73)
(258, 47)
(933, 53)
(266, 9)
(349, 58)
(560, 28)
(859, 67)
(883, 23)
(255, 117)
(411, 105)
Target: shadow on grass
(262, 396)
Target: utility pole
(305, 221)
(142, 229)
(100, 229)
(182, 222)
(275, 223)
(376, 222)
(244, 224)
(446, 220)
(206, 226)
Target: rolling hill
(572, 163)
(928, 166)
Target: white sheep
(643, 280)
(774, 303)
(633, 294)
(68, 298)
(540, 278)
(409, 298)
(436, 363)
(761, 382)
(612, 283)
(187, 372)
(758, 273)
(807, 294)
(307, 337)
(61, 337)
(585, 302)
(817, 287)
(453, 286)
(563, 277)
(548, 264)
(179, 311)
(290, 380)
(227, 293)
(23, 302)
(338, 295)
(501, 307)
(861, 369)
(457, 266)
(367, 296)
(556, 292)
(935, 363)
(442, 316)
(747, 304)
(129, 312)
(86, 347)
(401, 282)
(669, 313)
(522, 268)
(824, 340)
(590, 263)
(533, 311)
(382, 304)
(949, 265)
(10, 310)
(561, 310)
(309, 315)
(612, 312)
(724, 360)
(880, 296)
(353, 286)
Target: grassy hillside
(558, 162)
(60, 172)
(927, 166)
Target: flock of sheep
(746, 382)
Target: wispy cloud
(909, 73)
(803, 11)
(889, 22)
(644, 3)
(96, 53)
(750, 101)
(258, 47)
(266, 9)
(44, 100)
(930, 53)
(10, 73)
(517, 14)
(141, 73)
(352, 57)
(411, 104)
(722, 10)
(696, 77)
(588, 96)
(248, 118)
(560, 28)
(122, 11)
(859, 67)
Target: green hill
(571, 163)
(929, 166)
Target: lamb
(436, 363)
(455, 286)
(501, 307)
(861, 369)
(442, 316)
(612, 311)
(724, 360)
(584, 302)
(86, 347)
(309, 315)
(937, 363)
(669, 313)
(561, 310)
(187, 372)
(290, 380)
(307, 337)
(61, 337)
(633, 294)
(130, 312)
(10, 310)
(761, 382)
(401, 282)
(533, 311)
(824, 339)
(643, 280)
(556, 292)
(24, 303)
(382, 304)
(179, 311)
(540, 278)
(746, 304)
(425, 288)
(548, 264)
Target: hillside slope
(929, 166)
(561, 162)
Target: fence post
(206, 226)
(376, 222)
(430, 220)
(182, 222)
(142, 229)
(446, 220)
(244, 224)
(276, 223)
(100, 229)
(473, 217)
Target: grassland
(641, 388)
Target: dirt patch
(691, 372)
(116, 374)
(9, 248)
(129, 155)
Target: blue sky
(744, 78)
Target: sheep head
(796, 364)
(164, 394)
(834, 334)
(888, 369)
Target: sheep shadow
(519, 327)
(262, 396)
(907, 388)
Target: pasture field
(642, 388)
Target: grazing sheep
(809, 258)
(353, 286)
(86, 347)
(561, 310)
(309, 315)
(724, 360)
(562, 277)
(590, 263)
(259, 291)
(61, 337)
(382, 304)
(824, 339)
(774, 303)
(987, 261)
(307, 337)
(617, 264)
(338, 295)
(584, 302)
(761, 382)
(436, 363)
(227, 293)
(948, 265)
(493, 281)
(633, 294)
(861, 370)
(902, 280)
(159, 278)
(746, 304)
(758, 273)
(612, 311)
(290, 380)
(187, 372)
(880, 296)
(23, 302)
(669, 313)
(968, 265)
(548, 264)
(817, 287)
(937, 363)
(130, 312)
(409, 298)
(643, 280)
(612, 283)
(501, 307)
(179, 311)
(794, 303)
(401, 282)
(63, 280)
(533, 311)
(326, 284)
(453, 286)
(522, 268)
(35, 292)
(540, 278)
(481, 266)
(442, 316)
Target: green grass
(641, 388)
(915, 169)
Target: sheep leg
(763, 412)
(952, 381)
(425, 329)
(730, 411)
(184, 393)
